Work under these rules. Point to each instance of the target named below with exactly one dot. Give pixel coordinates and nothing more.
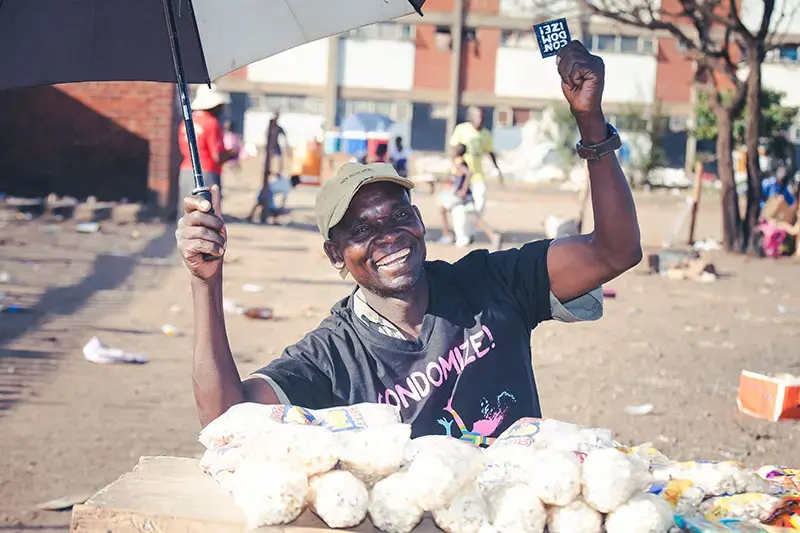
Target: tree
(774, 119)
(695, 25)
(718, 40)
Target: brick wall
(480, 60)
(674, 73)
(111, 140)
(431, 65)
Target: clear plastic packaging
(375, 453)
(576, 517)
(268, 493)
(516, 509)
(643, 513)
(339, 498)
(393, 505)
(610, 478)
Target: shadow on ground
(20, 369)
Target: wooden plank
(172, 495)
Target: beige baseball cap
(335, 195)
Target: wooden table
(172, 495)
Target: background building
(118, 140)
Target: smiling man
(449, 344)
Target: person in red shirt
(207, 108)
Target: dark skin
(381, 221)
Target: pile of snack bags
(540, 475)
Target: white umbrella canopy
(231, 40)
(44, 42)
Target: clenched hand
(200, 233)
(582, 79)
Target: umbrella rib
(302, 30)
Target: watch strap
(595, 151)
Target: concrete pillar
(332, 83)
(456, 46)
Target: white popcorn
(611, 477)
(577, 517)
(644, 513)
(516, 509)
(717, 479)
(393, 505)
(339, 498)
(556, 478)
(467, 513)
(373, 454)
(268, 493)
(439, 473)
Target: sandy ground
(68, 426)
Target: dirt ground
(68, 426)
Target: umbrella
(44, 42)
(366, 122)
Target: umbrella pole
(183, 91)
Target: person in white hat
(207, 108)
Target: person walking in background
(207, 108)
(233, 144)
(478, 139)
(459, 195)
(399, 157)
(272, 151)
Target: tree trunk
(731, 219)
(752, 135)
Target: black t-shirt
(469, 375)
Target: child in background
(457, 195)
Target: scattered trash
(250, 287)
(5, 277)
(51, 229)
(64, 503)
(88, 227)
(229, 306)
(97, 352)
(11, 370)
(769, 397)
(639, 410)
(136, 234)
(12, 309)
(262, 313)
(609, 293)
(175, 309)
(707, 245)
(786, 310)
(169, 331)
(555, 227)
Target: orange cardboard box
(771, 398)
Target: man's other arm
(579, 263)
(216, 381)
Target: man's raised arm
(580, 263)
(217, 385)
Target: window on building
(389, 31)
(503, 117)
(286, 103)
(397, 111)
(605, 43)
(518, 39)
(788, 54)
(628, 44)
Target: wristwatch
(593, 152)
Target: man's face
(476, 117)
(380, 240)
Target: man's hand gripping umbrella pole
(200, 191)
